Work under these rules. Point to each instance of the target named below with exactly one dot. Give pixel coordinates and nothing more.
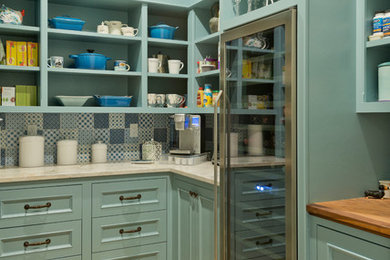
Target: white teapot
(115, 27)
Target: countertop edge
(337, 216)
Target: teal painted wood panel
(145, 228)
(146, 252)
(106, 197)
(71, 258)
(65, 240)
(65, 204)
(185, 223)
(333, 245)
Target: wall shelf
(254, 111)
(252, 81)
(18, 30)
(19, 68)
(213, 73)
(95, 72)
(379, 43)
(71, 35)
(250, 49)
(209, 39)
(167, 43)
(167, 75)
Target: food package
(10, 16)
(246, 69)
(32, 53)
(2, 53)
(26, 95)
(8, 96)
(11, 53)
(21, 53)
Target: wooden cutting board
(372, 215)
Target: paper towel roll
(233, 144)
(31, 151)
(255, 140)
(99, 153)
(66, 152)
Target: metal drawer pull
(121, 231)
(139, 196)
(193, 194)
(46, 242)
(258, 243)
(266, 213)
(47, 205)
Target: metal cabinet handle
(258, 243)
(266, 213)
(139, 196)
(27, 206)
(122, 231)
(193, 194)
(46, 242)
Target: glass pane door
(256, 151)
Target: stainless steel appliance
(257, 190)
(189, 127)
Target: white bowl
(207, 67)
(73, 101)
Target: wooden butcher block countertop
(371, 215)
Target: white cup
(55, 62)
(154, 64)
(174, 100)
(175, 66)
(129, 31)
(152, 100)
(160, 100)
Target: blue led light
(263, 188)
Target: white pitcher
(115, 27)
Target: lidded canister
(67, 152)
(99, 152)
(384, 81)
(31, 151)
(151, 151)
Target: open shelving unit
(375, 53)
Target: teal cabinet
(148, 252)
(334, 245)
(195, 221)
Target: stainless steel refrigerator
(257, 141)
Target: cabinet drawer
(128, 197)
(261, 243)
(47, 241)
(78, 257)
(128, 230)
(148, 252)
(40, 205)
(258, 174)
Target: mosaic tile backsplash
(123, 133)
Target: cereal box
(11, 53)
(32, 53)
(8, 96)
(21, 53)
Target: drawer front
(258, 174)
(129, 197)
(269, 241)
(256, 195)
(116, 232)
(148, 252)
(40, 205)
(70, 258)
(47, 241)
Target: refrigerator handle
(215, 156)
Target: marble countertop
(202, 172)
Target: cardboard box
(32, 53)
(11, 53)
(26, 95)
(21, 53)
(7, 96)
(246, 69)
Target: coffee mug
(129, 31)
(152, 100)
(153, 65)
(160, 100)
(55, 62)
(121, 65)
(174, 100)
(175, 66)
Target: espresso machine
(189, 129)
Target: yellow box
(246, 69)
(21, 53)
(11, 53)
(32, 53)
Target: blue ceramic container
(92, 61)
(113, 101)
(162, 31)
(66, 23)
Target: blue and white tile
(11, 137)
(51, 136)
(69, 121)
(117, 121)
(50, 156)
(116, 152)
(101, 121)
(131, 119)
(11, 156)
(2, 157)
(14, 121)
(161, 120)
(85, 120)
(86, 136)
(51, 121)
(2, 121)
(129, 139)
(134, 151)
(84, 153)
(102, 135)
(160, 135)
(117, 136)
(145, 135)
(69, 134)
(34, 119)
(145, 121)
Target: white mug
(174, 100)
(121, 65)
(175, 66)
(55, 62)
(129, 31)
(152, 99)
(160, 100)
(154, 64)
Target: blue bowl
(162, 31)
(113, 101)
(67, 23)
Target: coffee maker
(189, 128)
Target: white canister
(31, 151)
(386, 184)
(99, 153)
(255, 140)
(384, 81)
(67, 152)
(102, 28)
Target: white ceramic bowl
(73, 101)
(207, 67)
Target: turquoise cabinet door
(185, 223)
(333, 245)
(205, 226)
(147, 252)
